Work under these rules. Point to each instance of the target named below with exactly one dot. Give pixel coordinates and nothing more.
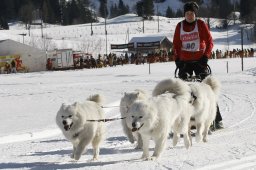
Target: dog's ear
(76, 105)
(63, 106)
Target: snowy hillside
(119, 30)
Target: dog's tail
(214, 83)
(96, 98)
(175, 86)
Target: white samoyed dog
(153, 118)
(125, 104)
(205, 105)
(73, 122)
(182, 122)
(203, 98)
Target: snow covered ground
(30, 139)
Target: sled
(194, 78)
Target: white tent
(32, 58)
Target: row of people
(13, 66)
(233, 54)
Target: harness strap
(106, 120)
(111, 106)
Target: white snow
(30, 139)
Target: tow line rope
(106, 120)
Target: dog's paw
(138, 147)
(77, 157)
(95, 159)
(131, 140)
(144, 156)
(72, 156)
(151, 158)
(205, 139)
(198, 138)
(187, 145)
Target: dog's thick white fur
(72, 120)
(153, 118)
(181, 124)
(205, 105)
(204, 99)
(125, 104)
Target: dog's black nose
(64, 122)
(134, 124)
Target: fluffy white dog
(153, 118)
(125, 104)
(203, 98)
(73, 121)
(205, 105)
(181, 124)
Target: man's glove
(203, 60)
(179, 64)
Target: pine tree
(25, 13)
(179, 13)
(169, 13)
(148, 8)
(62, 10)
(247, 8)
(122, 8)
(114, 11)
(10, 10)
(55, 6)
(3, 23)
(103, 11)
(139, 8)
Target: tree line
(70, 12)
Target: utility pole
(143, 24)
(105, 12)
(157, 18)
(227, 37)
(91, 20)
(23, 34)
(242, 44)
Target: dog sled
(193, 78)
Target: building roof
(148, 39)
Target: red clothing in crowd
(206, 42)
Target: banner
(148, 44)
(122, 46)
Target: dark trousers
(218, 117)
(201, 71)
(189, 68)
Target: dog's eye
(132, 116)
(62, 116)
(141, 117)
(70, 116)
